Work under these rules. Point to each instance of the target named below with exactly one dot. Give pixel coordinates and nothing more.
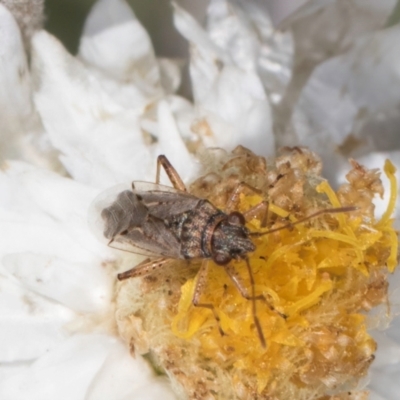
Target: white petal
(129, 95)
(9, 369)
(46, 214)
(30, 325)
(204, 71)
(205, 55)
(233, 101)
(76, 285)
(245, 32)
(22, 134)
(115, 42)
(125, 377)
(16, 108)
(238, 111)
(227, 28)
(129, 72)
(324, 28)
(185, 115)
(66, 372)
(353, 94)
(64, 200)
(183, 118)
(388, 351)
(15, 93)
(170, 74)
(47, 244)
(394, 290)
(171, 144)
(39, 235)
(86, 367)
(193, 32)
(386, 383)
(101, 142)
(375, 396)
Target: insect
(167, 223)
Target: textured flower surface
(72, 126)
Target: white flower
(328, 81)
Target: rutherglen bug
(167, 223)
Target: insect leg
(144, 268)
(237, 280)
(198, 290)
(173, 176)
(240, 188)
(261, 208)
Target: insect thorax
(194, 229)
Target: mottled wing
(163, 201)
(152, 238)
(125, 213)
(121, 218)
(97, 223)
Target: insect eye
(221, 258)
(236, 218)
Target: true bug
(167, 223)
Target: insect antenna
(300, 221)
(251, 296)
(254, 306)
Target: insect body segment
(193, 228)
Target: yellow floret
(316, 274)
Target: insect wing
(163, 201)
(102, 201)
(120, 219)
(102, 227)
(142, 186)
(153, 238)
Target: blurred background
(65, 19)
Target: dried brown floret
(363, 185)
